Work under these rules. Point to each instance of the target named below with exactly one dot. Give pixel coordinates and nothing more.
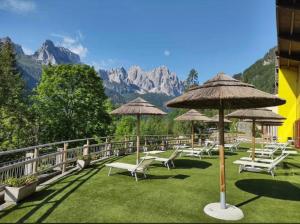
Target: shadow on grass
(40, 195)
(288, 165)
(153, 177)
(190, 163)
(141, 176)
(180, 176)
(283, 190)
(228, 153)
(47, 195)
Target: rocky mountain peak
(48, 44)
(48, 53)
(270, 57)
(5, 39)
(136, 80)
(162, 69)
(18, 49)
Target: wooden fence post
(107, 147)
(35, 164)
(64, 157)
(86, 148)
(125, 145)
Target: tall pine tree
(192, 79)
(13, 113)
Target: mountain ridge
(136, 80)
(121, 84)
(261, 74)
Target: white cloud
(167, 53)
(18, 6)
(106, 63)
(72, 43)
(27, 50)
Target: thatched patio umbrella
(192, 115)
(223, 92)
(266, 123)
(138, 107)
(254, 114)
(215, 119)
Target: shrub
(21, 181)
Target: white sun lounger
(170, 160)
(267, 152)
(142, 167)
(261, 166)
(264, 160)
(271, 146)
(233, 146)
(198, 152)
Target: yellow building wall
(288, 89)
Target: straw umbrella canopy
(266, 122)
(223, 92)
(138, 107)
(215, 119)
(254, 114)
(192, 115)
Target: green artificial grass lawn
(176, 195)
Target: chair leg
(272, 173)
(240, 168)
(167, 164)
(173, 163)
(145, 176)
(109, 171)
(135, 175)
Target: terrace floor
(178, 195)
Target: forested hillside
(262, 73)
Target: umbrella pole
(192, 135)
(253, 139)
(138, 138)
(222, 159)
(263, 136)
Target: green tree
(70, 103)
(126, 125)
(11, 83)
(109, 106)
(14, 116)
(192, 79)
(154, 125)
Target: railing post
(28, 168)
(125, 145)
(86, 148)
(64, 157)
(107, 147)
(35, 164)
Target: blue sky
(208, 35)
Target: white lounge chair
(233, 146)
(168, 161)
(198, 152)
(266, 152)
(264, 160)
(142, 167)
(261, 166)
